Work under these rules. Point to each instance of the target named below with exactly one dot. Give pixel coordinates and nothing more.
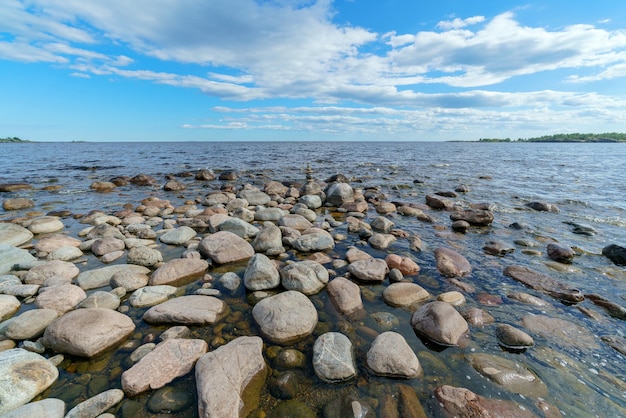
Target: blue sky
(375, 70)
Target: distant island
(575, 137)
(13, 139)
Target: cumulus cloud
(458, 23)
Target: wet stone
(560, 252)
(391, 356)
(440, 322)
(499, 248)
(509, 374)
(170, 400)
(333, 357)
(511, 337)
(477, 317)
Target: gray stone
(100, 299)
(225, 247)
(8, 306)
(187, 310)
(286, 317)
(179, 271)
(129, 280)
(297, 222)
(514, 338)
(509, 374)
(544, 283)
(381, 241)
(231, 281)
(239, 227)
(170, 359)
(269, 238)
(11, 256)
(102, 246)
(144, 256)
(269, 214)
(254, 196)
(382, 224)
(96, 405)
(314, 241)
(261, 273)
(451, 264)
(53, 242)
(333, 358)
(391, 356)
(369, 270)
(229, 379)
(93, 279)
(497, 247)
(339, 193)
(308, 277)
(30, 324)
(151, 295)
(14, 235)
(61, 298)
(46, 408)
(23, 375)
(311, 201)
(345, 295)
(45, 225)
(87, 332)
(65, 254)
(440, 322)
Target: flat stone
(404, 294)
(476, 217)
(450, 263)
(511, 337)
(187, 310)
(151, 295)
(14, 235)
(100, 299)
(369, 270)
(229, 379)
(381, 241)
(45, 270)
(544, 283)
(297, 222)
(477, 317)
(333, 358)
(61, 298)
(345, 295)
(30, 324)
(286, 317)
(391, 356)
(314, 241)
(170, 359)
(462, 402)
(45, 225)
(179, 271)
(454, 298)
(93, 279)
(8, 306)
(11, 256)
(239, 227)
(65, 254)
(87, 332)
(129, 280)
(178, 236)
(46, 408)
(509, 374)
(102, 246)
(96, 405)
(225, 247)
(560, 331)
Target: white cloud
(458, 23)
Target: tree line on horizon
(572, 137)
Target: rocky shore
(265, 298)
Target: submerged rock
(463, 403)
(345, 295)
(560, 252)
(450, 263)
(511, 375)
(511, 337)
(544, 283)
(615, 253)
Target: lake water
(586, 182)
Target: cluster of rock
(84, 313)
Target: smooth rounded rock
(405, 265)
(46, 225)
(187, 310)
(101, 277)
(142, 255)
(440, 322)
(308, 277)
(369, 270)
(30, 324)
(333, 357)
(345, 295)
(451, 264)
(11, 256)
(261, 273)
(8, 306)
(391, 356)
(405, 294)
(13, 234)
(151, 295)
(45, 408)
(514, 338)
(225, 247)
(61, 298)
(286, 317)
(179, 271)
(96, 405)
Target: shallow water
(584, 180)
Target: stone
(463, 403)
(204, 174)
(333, 358)
(612, 308)
(65, 254)
(311, 201)
(286, 317)
(385, 321)
(100, 299)
(187, 310)
(405, 265)
(170, 359)
(345, 295)
(174, 186)
(61, 298)
(477, 317)
(178, 236)
(410, 406)
(225, 247)
(560, 331)
(405, 294)
(170, 400)
(382, 224)
(254, 196)
(111, 257)
(39, 273)
(339, 193)
(615, 253)
(475, 217)
(23, 376)
(144, 256)
(9, 304)
(101, 277)
(498, 248)
(151, 295)
(45, 225)
(353, 254)
(179, 271)
(269, 214)
(450, 263)
(21, 290)
(229, 379)
(560, 252)
(46, 408)
(385, 207)
(543, 207)
(11, 256)
(14, 235)
(297, 222)
(96, 405)
(439, 202)
(231, 281)
(12, 187)
(344, 406)
(526, 298)
(544, 283)
(261, 273)
(308, 277)
(238, 227)
(30, 324)
(87, 332)
(440, 322)
(511, 337)
(369, 270)
(509, 374)
(391, 356)
(129, 280)
(453, 297)
(102, 246)
(314, 241)
(269, 238)
(381, 241)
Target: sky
(310, 70)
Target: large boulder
(61, 298)
(229, 379)
(30, 324)
(286, 317)
(440, 322)
(339, 193)
(170, 359)
(333, 358)
(225, 247)
(23, 375)
(187, 310)
(87, 332)
(269, 239)
(405, 294)
(178, 236)
(314, 241)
